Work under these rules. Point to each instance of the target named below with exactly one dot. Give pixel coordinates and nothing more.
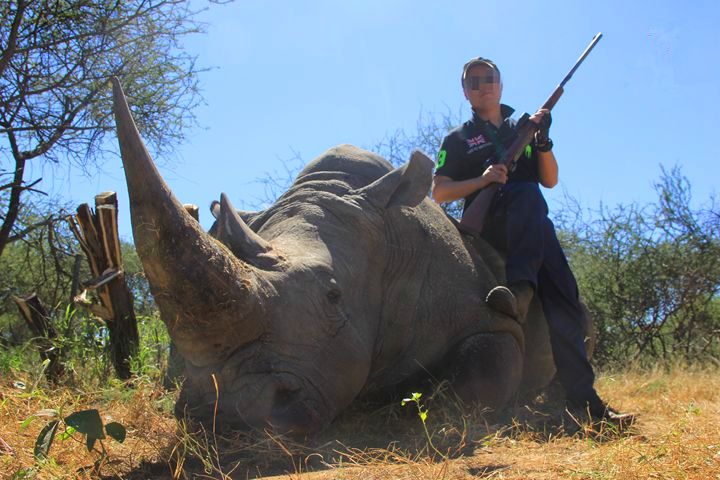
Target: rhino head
(270, 333)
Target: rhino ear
(215, 209)
(407, 185)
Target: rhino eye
(333, 296)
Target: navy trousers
(518, 224)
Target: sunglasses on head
(474, 82)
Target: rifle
(474, 217)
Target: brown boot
(513, 301)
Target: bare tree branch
(57, 58)
(10, 49)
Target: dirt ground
(677, 436)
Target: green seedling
(423, 414)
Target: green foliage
(24, 474)
(14, 358)
(43, 261)
(85, 357)
(54, 77)
(55, 97)
(143, 302)
(117, 431)
(152, 355)
(650, 276)
(84, 422)
(87, 422)
(45, 440)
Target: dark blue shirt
(468, 150)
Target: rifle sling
(497, 144)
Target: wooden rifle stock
(473, 219)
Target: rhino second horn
(210, 300)
(241, 240)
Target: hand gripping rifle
(474, 217)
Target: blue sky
(295, 76)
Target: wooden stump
(37, 318)
(97, 233)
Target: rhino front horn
(209, 299)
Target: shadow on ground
(370, 432)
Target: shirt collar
(505, 110)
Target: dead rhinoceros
(353, 281)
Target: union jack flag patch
(476, 141)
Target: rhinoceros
(352, 282)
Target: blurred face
(482, 87)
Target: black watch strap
(545, 147)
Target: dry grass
(677, 437)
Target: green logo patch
(528, 151)
(441, 158)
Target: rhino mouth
(252, 391)
(281, 401)
(293, 414)
(288, 403)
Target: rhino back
(347, 163)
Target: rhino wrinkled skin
(352, 282)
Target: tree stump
(97, 233)
(37, 318)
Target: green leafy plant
(423, 414)
(85, 422)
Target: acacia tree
(650, 275)
(56, 59)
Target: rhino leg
(486, 368)
(539, 370)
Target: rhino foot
(487, 368)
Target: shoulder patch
(441, 158)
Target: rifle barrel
(594, 41)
